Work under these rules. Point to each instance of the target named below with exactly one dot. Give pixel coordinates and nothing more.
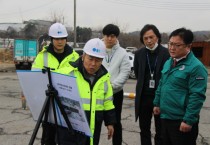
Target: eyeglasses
(170, 44)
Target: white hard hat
(57, 30)
(95, 47)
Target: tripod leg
(49, 131)
(45, 106)
(55, 119)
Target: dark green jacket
(181, 91)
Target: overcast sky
(129, 15)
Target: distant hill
(134, 33)
(199, 35)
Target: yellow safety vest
(45, 58)
(98, 99)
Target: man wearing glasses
(181, 91)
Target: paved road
(16, 124)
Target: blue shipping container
(25, 50)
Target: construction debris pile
(6, 56)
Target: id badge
(151, 83)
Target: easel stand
(51, 97)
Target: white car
(131, 58)
(131, 49)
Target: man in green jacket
(181, 91)
(57, 55)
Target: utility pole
(75, 31)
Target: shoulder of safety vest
(107, 75)
(67, 70)
(75, 53)
(73, 56)
(44, 49)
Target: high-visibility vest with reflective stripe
(98, 99)
(45, 58)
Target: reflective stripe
(87, 101)
(99, 102)
(105, 90)
(45, 59)
(105, 87)
(110, 98)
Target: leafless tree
(57, 17)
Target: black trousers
(48, 134)
(172, 136)
(118, 101)
(145, 117)
(63, 137)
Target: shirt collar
(178, 59)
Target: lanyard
(151, 71)
(108, 59)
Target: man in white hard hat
(93, 82)
(57, 55)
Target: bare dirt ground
(7, 67)
(17, 124)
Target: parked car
(131, 49)
(131, 58)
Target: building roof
(16, 26)
(39, 22)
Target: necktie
(174, 63)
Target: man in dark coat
(148, 63)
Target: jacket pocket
(180, 80)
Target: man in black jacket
(148, 63)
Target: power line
(13, 14)
(163, 5)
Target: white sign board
(34, 84)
